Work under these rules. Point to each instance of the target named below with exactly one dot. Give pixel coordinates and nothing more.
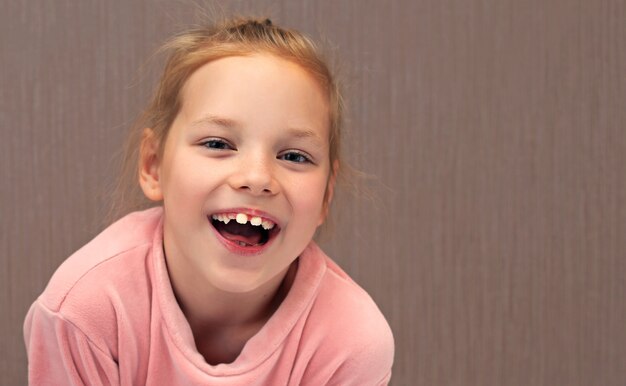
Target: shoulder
(356, 319)
(99, 282)
(350, 328)
(132, 232)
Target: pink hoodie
(109, 316)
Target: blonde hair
(189, 50)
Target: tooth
(241, 218)
(256, 221)
(214, 216)
(232, 216)
(225, 220)
(267, 225)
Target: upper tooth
(241, 218)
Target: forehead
(257, 89)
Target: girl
(221, 284)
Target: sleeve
(59, 353)
(355, 355)
(368, 364)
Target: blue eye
(295, 157)
(217, 144)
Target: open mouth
(244, 230)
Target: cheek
(310, 194)
(186, 181)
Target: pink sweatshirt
(109, 316)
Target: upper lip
(249, 212)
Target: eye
(295, 157)
(217, 144)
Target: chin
(237, 282)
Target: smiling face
(250, 142)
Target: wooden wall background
(496, 128)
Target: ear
(149, 166)
(330, 191)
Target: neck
(210, 309)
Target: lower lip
(238, 249)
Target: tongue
(236, 232)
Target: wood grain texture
(496, 130)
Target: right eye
(216, 144)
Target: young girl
(221, 284)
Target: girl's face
(250, 142)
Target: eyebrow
(215, 120)
(304, 134)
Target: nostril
(262, 190)
(253, 184)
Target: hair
(191, 49)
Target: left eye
(217, 144)
(295, 157)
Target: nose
(256, 176)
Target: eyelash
(216, 141)
(303, 158)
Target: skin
(252, 133)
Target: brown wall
(496, 247)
